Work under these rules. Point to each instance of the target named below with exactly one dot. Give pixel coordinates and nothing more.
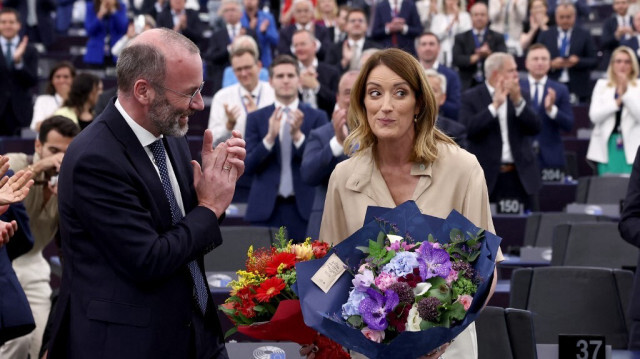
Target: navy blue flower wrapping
(322, 311)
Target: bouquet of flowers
(262, 303)
(407, 294)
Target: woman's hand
(16, 188)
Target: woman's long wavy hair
(427, 135)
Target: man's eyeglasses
(190, 97)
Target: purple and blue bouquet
(413, 283)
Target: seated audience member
(428, 47)
(36, 17)
(582, 9)
(550, 100)
(181, 19)
(446, 25)
(327, 15)
(64, 15)
(286, 16)
(538, 21)
(396, 25)
(346, 54)
(451, 128)
(634, 41)
(615, 114)
(318, 81)
(506, 17)
(276, 139)
(18, 75)
(85, 90)
(324, 150)
(57, 91)
(132, 31)
(501, 126)
(105, 20)
(303, 12)
(573, 54)
(41, 206)
(243, 41)
(618, 27)
(471, 48)
(264, 26)
(220, 43)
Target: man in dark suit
(634, 41)
(573, 54)
(276, 138)
(318, 81)
(36, 19)
(324, 150)
(303, 14)
(550, 100)
(183, 20)
(630, 231)
(471, 48)
(18, 74)
(618, 27)
(500, 127)
(345, 55)
(137, 216)
(451, 128)
(396, 23)
(428, 48)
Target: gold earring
(415, 118)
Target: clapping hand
(550, 99)
(16, 188)
(20, 49)
(296, 123)
(339, 121)
(232, 112)
(274, 125)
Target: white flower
(413, 320)
(421, 288)
(394, 238)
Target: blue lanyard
(476, 40)
(242, 99)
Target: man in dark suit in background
(318, 81)
(618, 27)
(137, 216)
(18, 74)
(183, 20)
(303, 14)
(36, 19)
(345, 55)
(573, 54)
(500, 128)
(396, 23)
(634, 41)
(325, 150)
(276, 139)
(550, 100)
(428, 49)
(471, 48)
(451, 128)
(630, 231)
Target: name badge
(329, 273)
(509, 206)
(552, 174)
(581, 346)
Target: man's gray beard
(165, 118)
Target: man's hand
(7, 231)
(558, 63)
(483, 51)
(264, 26)
(512, 86)
(572, 61)
(550, 99)
(296, 122)
(274, 126)
(499, 94)
(215, 181)
(309, 79)
(232, 113)
(339, 121)
(16, 188)
(48, 163)
(249, 104)
(22, 46)
(347, 54)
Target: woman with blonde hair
(398, 154)
(453, 20)
(327, 14)
(615, 113)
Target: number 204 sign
(581, 347)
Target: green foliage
(378, 251)
(463, 286)
(355, 321)
(281, 241)
(439, 289)
(425, 324)
(230, 332)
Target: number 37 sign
(581, 347)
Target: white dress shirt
(564, 76)
(292, 107)
(541, 84)
(501, 113)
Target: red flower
(398, 317)
(288, 259)
(319, 249)
(270, 288)
(412, 279)
(261, 257)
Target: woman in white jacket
(615, 113)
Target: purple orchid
(433, 262)
(375, 308)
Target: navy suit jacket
(328, 77)
(15, 314)
(126, 290)
(630, 231)
(633, 44)
(318, 163)
(194, 28)
(409, 13)
(465, 46)
(265, 165)
(334, 57)
(485, 140)
(608, 41)
(15, 91)
(453, 129)
(320, 32)
(217, 55)
(581, 45)
(44, 8)
(550, 146)
(451, 105)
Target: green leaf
(363, 249)
(355, 321)
(456, 235)
(473, 256)
(381, 238)
(431, 239)
(230, 332)
(259, 308)
(439, 289)
(425, 324)
(227, 311)
(456, 311)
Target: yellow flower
(303, 251)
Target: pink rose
(453, 276)
(373, 335)
(384, 280)
(465, 300)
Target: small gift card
(329, 273)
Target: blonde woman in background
(506, 17)
(453, 20)
(615, 113)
